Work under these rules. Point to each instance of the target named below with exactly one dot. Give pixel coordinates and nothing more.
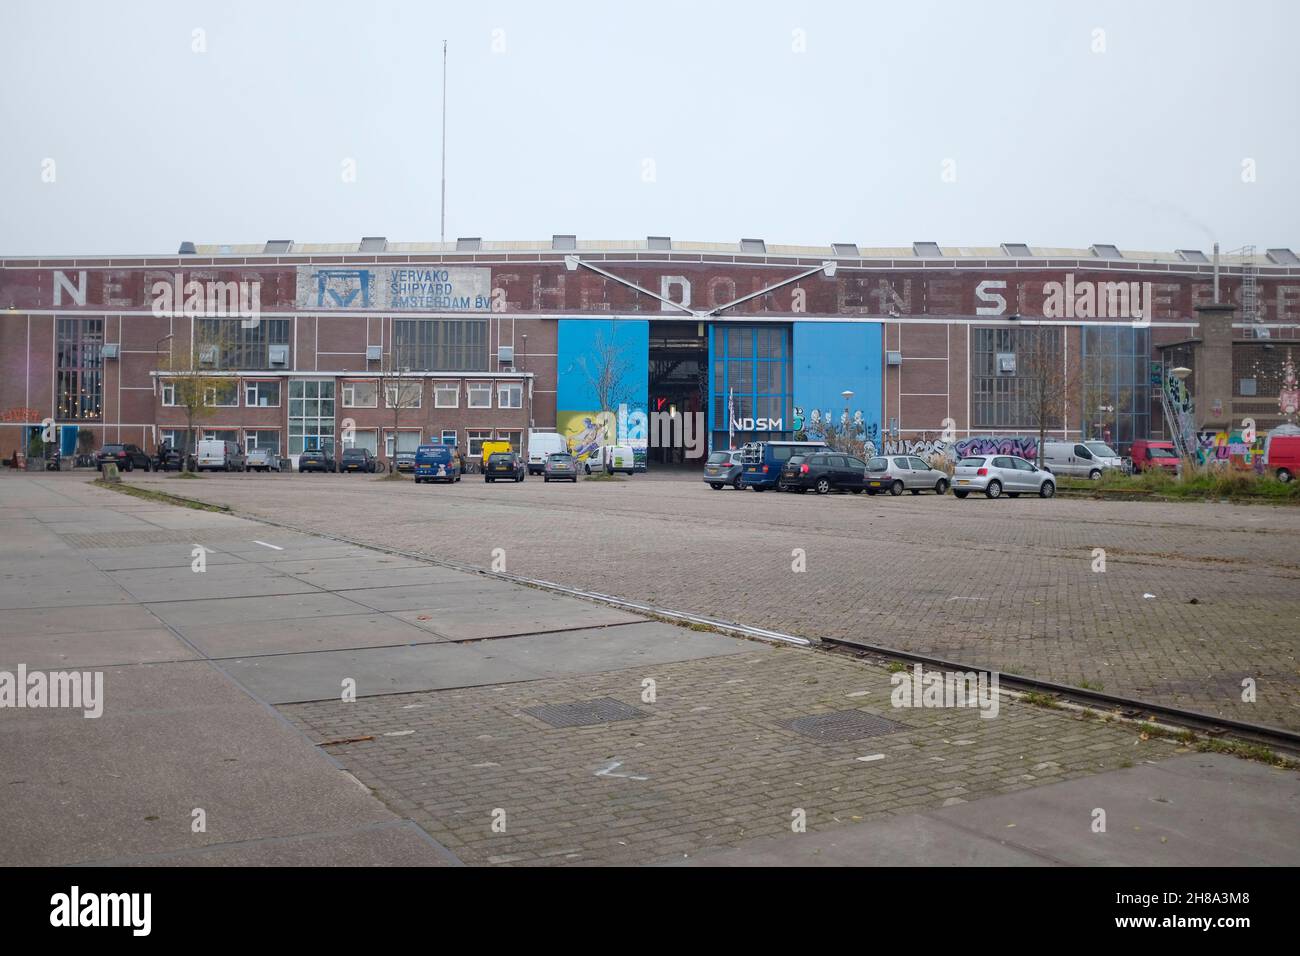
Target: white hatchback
(996, 475)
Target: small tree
(1045, 383)
(399, 390)
(198, 376)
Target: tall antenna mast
(442, 235)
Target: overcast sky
(967, 123)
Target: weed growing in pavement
(1040, 700)
(162, 496)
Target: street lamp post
(847, 395)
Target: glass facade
(1116, 385)
(311, 415)
(80, 368)
(242, 347)
(441, 345)
(1002, 398)
(751, 371)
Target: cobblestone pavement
(711, 764)
(1195, 598)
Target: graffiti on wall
(1230, 449)
(928, 448)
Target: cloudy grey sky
(709, 120)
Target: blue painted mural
(592, 350)
(830, 357)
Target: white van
(1076, 459)
(214, 454)
(541, 445)
(611, 458)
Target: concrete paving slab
(247, 610)
(79, 590)
(536, 615)
(358, 559)
(75, 620)
(567, 653)
(359, 578)
(400, 843)
(256, 638)
(1191, 810)
(218, 581)
(289, 544)
(156, 556)
(171, 739)
(92, 648)
(294, 678)
(469, 590)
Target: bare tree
(400, 390)
(1045, 383)
(201, 377)
(607, 374)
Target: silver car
(996, 475)
(263, 459)
(899, 473)
(724, 468)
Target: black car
(126, 457)
(356, 459)
(170, 459)
(505, 465)
(823, 472)
(315, 460)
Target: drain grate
(844, 725)
(584, 713)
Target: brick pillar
(1214, 367)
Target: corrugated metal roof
(712, 248)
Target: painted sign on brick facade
(431, 288)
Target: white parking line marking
(872, 757)
(265, 545)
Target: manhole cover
(584, 713)
(844, 725)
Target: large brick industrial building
(479, 340)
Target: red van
(1150, 455)
(1282, 456)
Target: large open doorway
(679, 380)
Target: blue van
(437, 463)
(762, 461)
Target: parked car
(1150, 455)
(491, 448)
(214, 454)
(998, 474)
(357, 459)
(541, 446)
(823, 472)
(763, 460)
(504, 465)
(126, 457)
(611, 458)
(404, 461)
(263, 459)
(437, 463)
(315, 459)
(1076, 459)
(725, 468)
(170, 459)
(904, 473)
(561, 466)
(1282, 455)
(1108, 457)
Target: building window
(1004, 400)
(446, 395)
(514, 436)
(476, 437)
(366, 438)
(241, 346)
(222, 434)
(1115, 385)
(510, 395)
(441, 345)
(168, 393)
(80, 367)
(171, 437)
(360, 395)
(480, 394)
(449, 436)
(263, 438)
(223, 395)
(402, 395)
(262, 394)
(751, 377)
(311, 415)
(407, 441)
